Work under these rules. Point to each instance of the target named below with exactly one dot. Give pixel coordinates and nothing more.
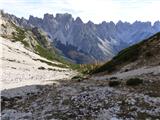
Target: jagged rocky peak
(49, 20)
(119, 22)
(148, 23)
(48, 16)
(157, 22)
(23, 19)
(78, 20)
(90, 24)
(63, 17)
(112, 23)
(1, 13)
(157, 25)
(33, 19)
(64, 20)
(144, 24)
(31, 16)
(25, 23)
(103, 23)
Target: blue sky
(94, 10)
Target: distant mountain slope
(28, 57)
(89, 42)
(145, 53)
(100, 42)
(32, 38)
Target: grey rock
(89, 42)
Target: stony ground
(87, 99)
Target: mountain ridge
(92, 42)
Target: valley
(40, 82)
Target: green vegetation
(44, 52)
(125, 56)
(114, 83)
(20, 35)
(52, 64)
(78, 78)
(128, 55)
(50, 56)
(25, 43)
(83, 68)
(134, 81)
(52, 69)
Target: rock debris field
(85, 99)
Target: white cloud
(95, 10)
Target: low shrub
(3, 25)
(51, 69)
(77, 77)
(148, 54)
(134, 81)
(41, 68)
(113, 78)
(114, 83)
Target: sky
(94, 10)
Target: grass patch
(134, 81)
(44, 52)
(83, 68)
(127, 55)
(52, 64)
(25, 43)
(20, 36)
